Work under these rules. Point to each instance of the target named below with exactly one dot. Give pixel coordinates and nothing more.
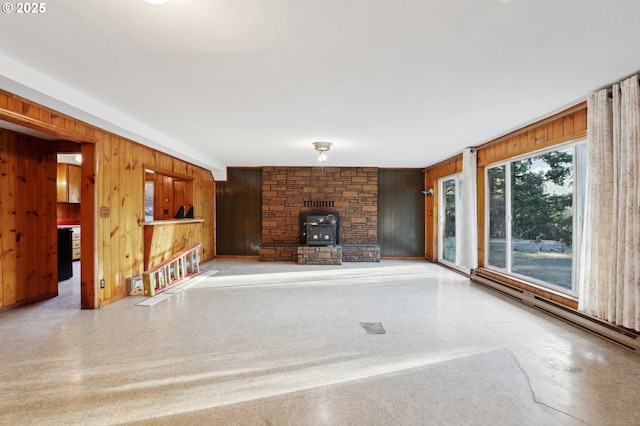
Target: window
(166, 195)
(534, 215)
(149, 192)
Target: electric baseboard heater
(612, 333)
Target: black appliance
(319, 229)
(65, 254)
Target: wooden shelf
(171, 222)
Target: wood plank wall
(239, 212)
(400, 213)
(112, 197)
(28, 235)
(162, 241)
(565, 126)
(120, 188)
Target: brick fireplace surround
(350, 191)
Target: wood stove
(319, 229)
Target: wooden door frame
(33, 116)
(88, 225)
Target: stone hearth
(320, 255)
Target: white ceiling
(391, 83)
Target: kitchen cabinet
(75, 243)
(68, 183)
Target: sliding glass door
(449, 195)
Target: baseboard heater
(612, 333)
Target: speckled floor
(282, 344)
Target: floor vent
(134, 283)
(373, 327)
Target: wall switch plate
(102, 283)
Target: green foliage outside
(537, 213)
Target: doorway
(30, 196)
(449, 194)
(68, 222)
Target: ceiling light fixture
(156, 1)
(322, 148)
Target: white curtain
(469, 225)
(610, 274)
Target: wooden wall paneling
(189, 195)
(101, 255)
(73, 183)
(523, 141)
(50, 230)
(163, 200)
(432, 174)
(117, 225)
(180, 195)
(565, 126)
(26, 113)
(157, 160)
(198, 211)
(9, 272)
(580, 120)
(239, 212)
(104, 223)
(62, 194)
(149, 159)
(164, 240)
(90, 229)
(127, 217)
(136, 186)
(4, 177)
(207, 210)
(157, 198)
(41, 284)
(557, 129)
(179, 167)
(539, 137)
(148, 240)
(169, 198)
(22, 202)
(165, 162)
